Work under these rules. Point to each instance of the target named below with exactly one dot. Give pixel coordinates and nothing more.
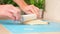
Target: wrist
(21, 3)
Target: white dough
(32, 22)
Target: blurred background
(38, 3)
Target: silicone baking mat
(20, 28)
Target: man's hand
(10, 11)
(28, 9)
(31, 9)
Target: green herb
(38, 3)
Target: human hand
(31, 9)
(10, 11)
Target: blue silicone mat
(20, 28)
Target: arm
(21, 3)
(28, 9)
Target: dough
(32, 22)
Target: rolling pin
(28, 17)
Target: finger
(27, 10)
(17, 15)
(10, 15)
(36, 9)
(31, 9)
(12, 12)
(15, 8)
(11, 7)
